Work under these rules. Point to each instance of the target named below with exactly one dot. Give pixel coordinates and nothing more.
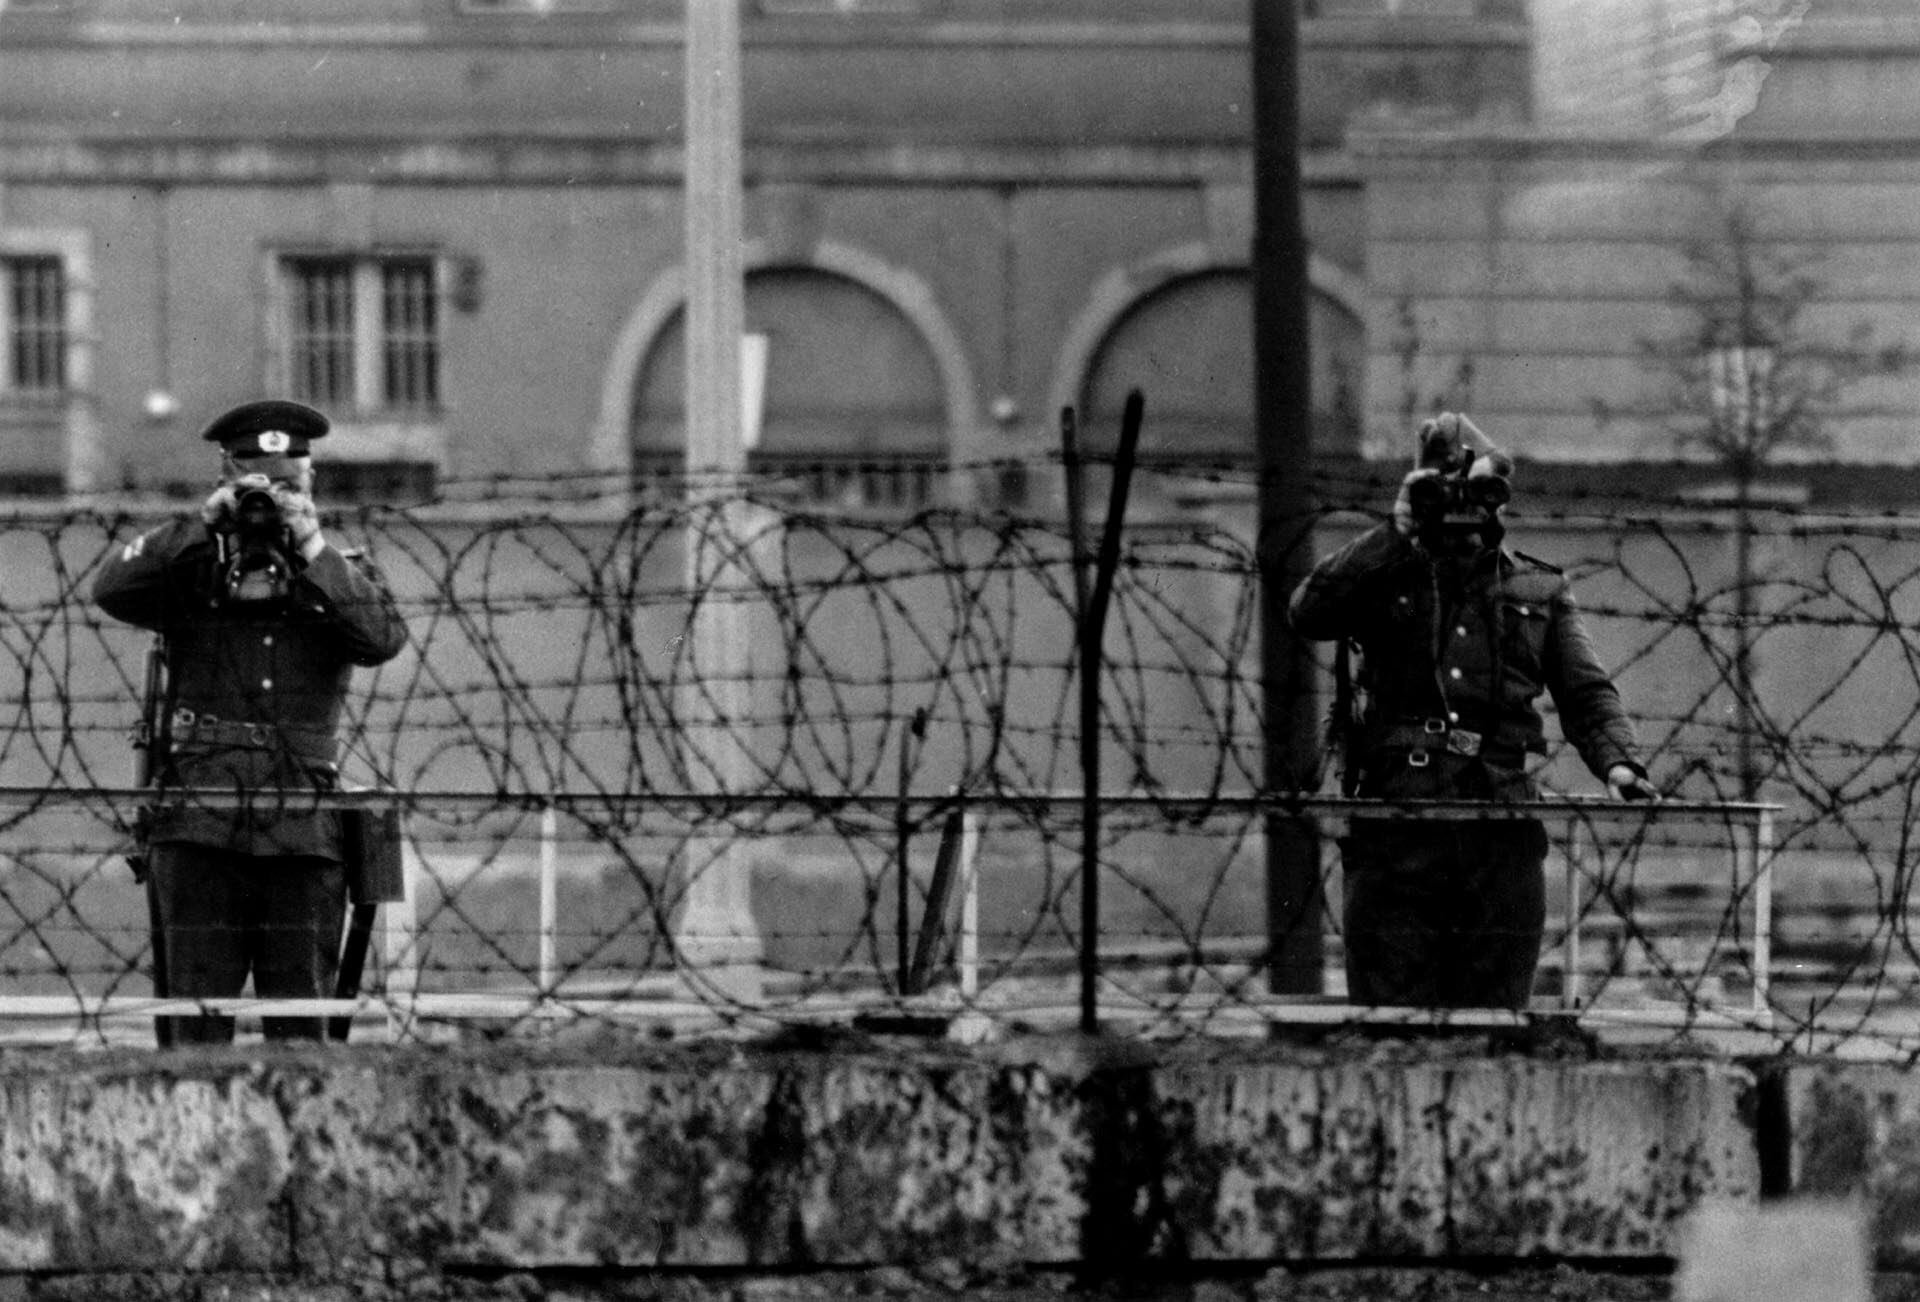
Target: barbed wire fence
(862, 800)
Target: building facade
(456, 225)
(1554, 263)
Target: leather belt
(194, 728)
(1429, 737)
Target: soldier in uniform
(1458, 637)
(264, 620)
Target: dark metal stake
(353, 963)
(903, 835)
(1092, 618)
(933, 921)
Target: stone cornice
(1412, 140)
(455, 31)
(1826, 36)
(583, 160)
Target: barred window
(321, 298)
(410, 334)
(363, 334)
(35, 324)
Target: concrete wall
(883, 1168)
(613, 1163)
(1856, 1136)
(838, 1166)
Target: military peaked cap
(274, 428)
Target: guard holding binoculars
(1457, 637)
(263, 621)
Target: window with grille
(34, 304)
(363, 334)
(410, 335)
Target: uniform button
(1453, 673)
(1453, 716)
(268, 682)
(1523, 610)
(267, 640)
(1459, 630)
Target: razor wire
(614, 811)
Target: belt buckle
(1461, 741)
(1418, 759)
(1434, 727)
(257, 734)
(184, 718)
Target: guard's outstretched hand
(1628, 783)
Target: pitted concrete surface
(142, 1169)
(377, 1163)
(1493, 1157)
(889, 1284)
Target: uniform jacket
(1479, 661)
(254, 691)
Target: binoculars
(254, 547)
(1436, 497)
(256, 515)
(1453, 445)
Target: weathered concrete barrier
(1856, 1134)
(365, 1162)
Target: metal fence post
(1570, 943)
(1091, 628)
(549, 896)
(1762, 910)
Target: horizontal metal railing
(688, 997)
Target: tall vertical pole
(716, 308)
(1283, 438)
(716, 925)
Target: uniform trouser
(1443, 914)
(226, 915)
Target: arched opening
(1188, 346)
(853, 412)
